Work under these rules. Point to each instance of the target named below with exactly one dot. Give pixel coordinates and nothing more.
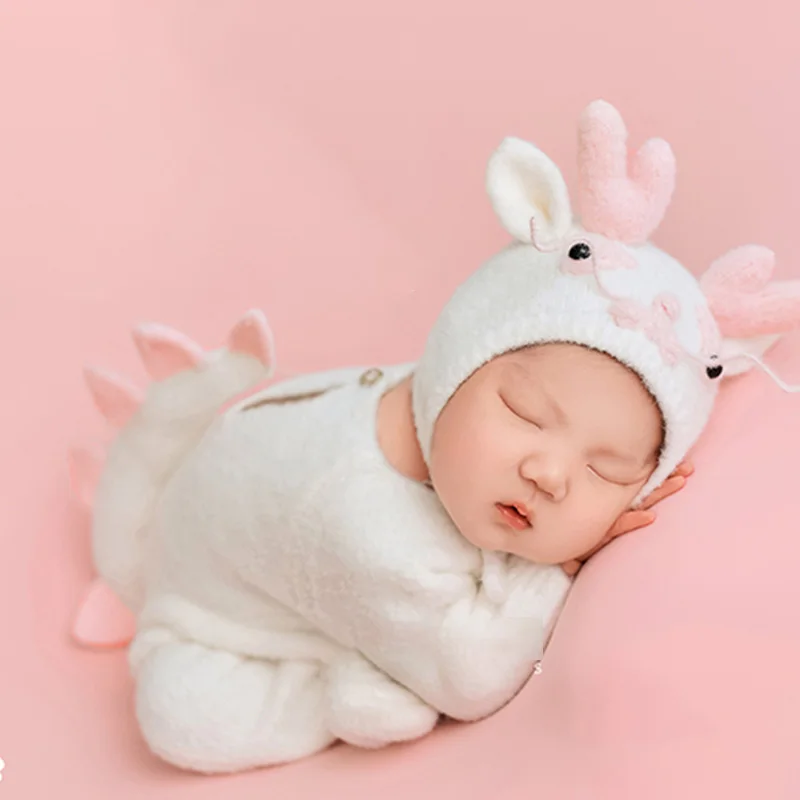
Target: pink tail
(102, 620)
(154, 432)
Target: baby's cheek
(458, 435)
(455, 457)
(456, 473)
(591, 523)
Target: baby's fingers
(571, 567)
(670, 486)
(685, 468)
(629, 521)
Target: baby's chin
(524, 545)
(533, 555)
(495, 541)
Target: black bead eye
(580, 251)
(714, 372)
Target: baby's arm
(492, 642)
(470, 655)
(492, 633)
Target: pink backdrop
(184, 161)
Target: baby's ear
(528, 194)
(751, 311)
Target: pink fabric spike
(743, 301)
(252, 336)
(612, 202)
(115, 398)
(85, 465)
(165, 351)
(102, 620)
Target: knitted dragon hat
(596, 281)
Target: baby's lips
(523, 510)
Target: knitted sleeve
(476, 651)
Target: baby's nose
(548, 473)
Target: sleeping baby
(354, 555)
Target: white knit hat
(598, 282)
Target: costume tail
(155, 432)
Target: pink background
(184, 161)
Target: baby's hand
(636, 518)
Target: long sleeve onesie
(297, 590)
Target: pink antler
(612, 203)
(741, 298)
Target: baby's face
(567, 436)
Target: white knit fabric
(297, 589)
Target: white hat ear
(528, 194)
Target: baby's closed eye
(605, 477)
(523, 414)
(610, 474)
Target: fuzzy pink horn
(742, 299)
(612, 202)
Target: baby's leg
(214, 711)
(368, 709)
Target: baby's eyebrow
(554, 406)
(536, 386)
